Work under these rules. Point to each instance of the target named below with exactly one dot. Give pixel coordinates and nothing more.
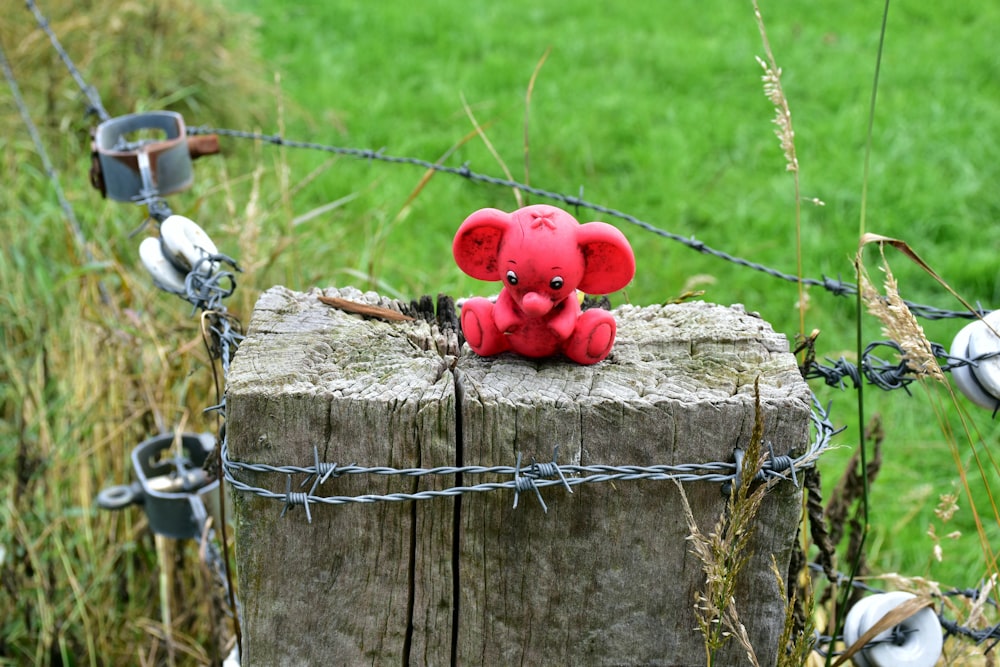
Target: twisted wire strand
(884, 374)
(93, 99)
(568, 475)
(834, 286)
(50, 170)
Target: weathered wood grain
(605, 577)
(337, 591)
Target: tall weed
(82, 381)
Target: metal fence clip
(153, 145)
(168, 488)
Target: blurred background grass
(652, 108)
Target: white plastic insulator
(233, 659)
(921, 639)
(165, 275)
(185, 245)
(979, 383)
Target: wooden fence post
(604, 576)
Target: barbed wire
(50, 170)
(93, 99)
(533, 477)
(837, 287)
(885, 375)
(834, 286)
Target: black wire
(834, 286)
(93, 99)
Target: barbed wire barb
(293, 498)
(525, 482)
(323, 472)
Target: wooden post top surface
(692, 352)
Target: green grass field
(660, 113)
(655, 109)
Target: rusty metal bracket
(143, 155)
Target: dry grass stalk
(786, 136)
(776, 95)
(782, 113)
(794, 648)
(527, 117)
(977, 610)
(721, 559)
(898, 323)
(945, 510)
(724, 552)
(481, 132)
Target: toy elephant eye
(511, 278)
(556, 283)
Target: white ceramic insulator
(186, 245)
(165, 275)
(982, 341)
(965, 376)
(922, 639)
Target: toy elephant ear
(610, 263)
(477, 243)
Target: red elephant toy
(543, 256)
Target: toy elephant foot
(590, 342)
(592, 338)
(480, 332)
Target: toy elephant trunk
(536, 305)
(543, 257)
